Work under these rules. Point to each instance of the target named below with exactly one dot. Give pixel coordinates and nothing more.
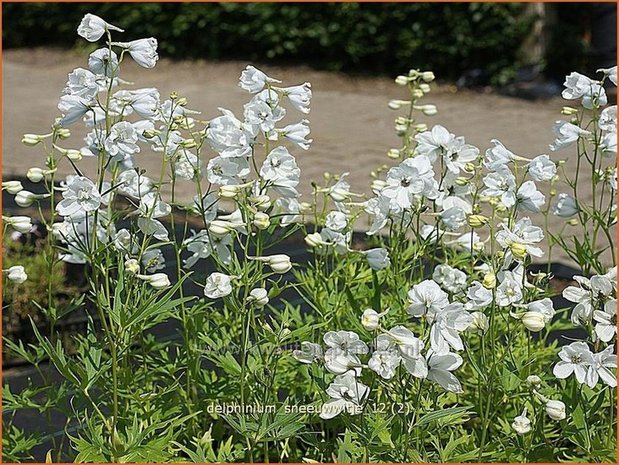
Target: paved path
(351, 125)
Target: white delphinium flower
(608, 144)
(153, 260)
(227, 171)
(521, 239)
(370, 319)
(413, 177)
(378, 208)
(80, 196)
(498, 156)
(347, 394)
(427, 299)
(544, 307)
(440, 367)
(566, 206)
(453, 218)
(187, 166)
(591, 295)
(459, 155)
(289, 209)
(16, 274)
(434, 143)
(143, 51)
(22, 224)
(385, 359)
(337, 241)
(150, 208)
(336, 221)
(281, 170)
(309, 353)
(103, 63)
(342, 355)
(580, 86)
(133, 184)
(261, 116)
(509, 291)
(92, 27)
(555, 409)
(502, 185)
(608, 119)
(575, 358)
(206, 207)
(121, 143)
(542, 168)
(143, 101)
(521, 424)
(157, 280)
(447, 326)
(299, 96)
(297, 133)
(567, 134)
(225, 134)
(253, 80)
(606, 321)
(605, 367)
(73, 107)
(480, 323)
(451, 279)
(478, 296)
(12, 187)
(259, 296)
(218, 285)
(125, 242)
(611, 73)
(83, 83)
(529, 198)
(377, 258)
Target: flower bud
(280, 263)
(258, 296)
(534, 381)
(489, 281)
(477, 221)
(480, 323)
(31, 139)
(521, 424)
(12, 187)
(425, 88)
(74, 155)
(569, 111)
(428, 110)
(573, 222)
(421, 127)
(314, 240)
(25, 198)
(417, 93)
(469, 167)
(228, 192)
(427, 76)
(16, 274)
(378, 185)
(220, 228)
(397, 104)
(555, 410)
(262, 221)
(150, 133)
(261, 202)
(23, 224)
(370, 319)
(35, 174)
(462, 181)
(519, 251)
(63, 133)
(157, 280)
(402, 80)
(533, 321)
(132, 266)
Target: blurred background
(472, 44)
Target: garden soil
(351, 126)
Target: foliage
(368, 38)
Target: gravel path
(351, 125)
